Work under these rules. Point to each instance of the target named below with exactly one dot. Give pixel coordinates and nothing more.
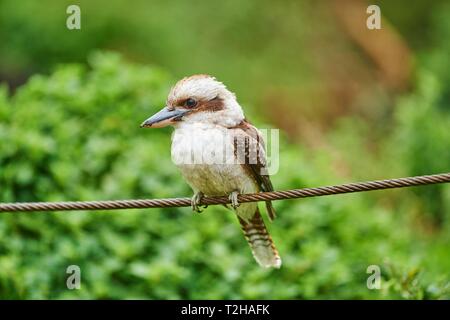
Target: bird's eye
(190, 103)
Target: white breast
(205, 156)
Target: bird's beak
(163, 118)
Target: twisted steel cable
(254, 197)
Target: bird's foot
(234, 199)
(196, 200)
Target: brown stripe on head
(190, 87)
(212, 105)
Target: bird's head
(198, 99)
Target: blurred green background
(351, 104)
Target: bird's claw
(234, 199)
(196, 200)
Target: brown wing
(249, 147)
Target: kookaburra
(219, 153)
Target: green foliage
(250, 35)
(74, 135)
(422, 139)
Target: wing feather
(250, 148)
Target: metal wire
(262, 196)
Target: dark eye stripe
(190, 103)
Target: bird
(219, 152)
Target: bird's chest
(205, 157)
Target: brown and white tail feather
(260, 241)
